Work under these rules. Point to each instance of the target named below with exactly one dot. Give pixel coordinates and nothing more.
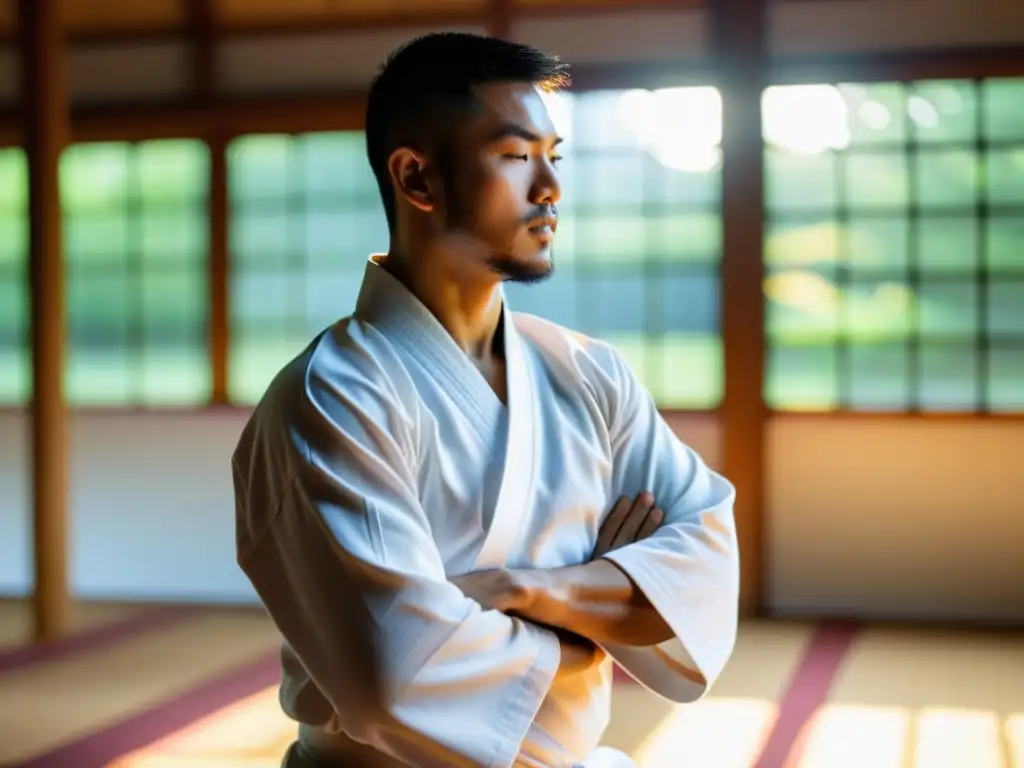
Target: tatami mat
(200, 691)
(16, 619)
(42, 706)
(909, 699)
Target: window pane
(171, 173)
(262, 236)
(877, 180)
(684, 369)
(1004, 108)
(14, 363)
(802, 304)
(946, 177)
(878, 375)
(136, 227)
(1006, 309)
(1006, 176)
(949, 377)
(948, 309)
(642, 188)
(175, 365)
(1005, 374)
(616, 302)
(636, 258)
(796, 242)
(14, 371)
(877, 307)
(306, 215)
(174, 236)
(102, 344)
(944, 111)
(924, 237)
(877, 243)
(802, 376)
(1005, 243)
(96, 238)
(96, 177)
(258, 168)
(877, 113)
(556, 298)
(334, 165)
(796, 181)
(948, 244)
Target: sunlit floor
(144, 688)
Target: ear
(410, 175)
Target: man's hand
(498, 589)
(628, 522)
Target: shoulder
(595, 361)
(332, 405)
(348, 380)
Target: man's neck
(469, 309)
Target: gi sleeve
(689, 568)
(351, 575)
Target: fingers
(611, 526)
(650, 524)
(635, 519)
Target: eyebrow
(511, 130)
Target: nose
(546, 189)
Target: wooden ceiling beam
(355, 22)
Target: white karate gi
(380, 463)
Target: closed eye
(523, 158)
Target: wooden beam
(740, 41)
(45, 111)
(500, 18)
(205, 84)
(288, 24)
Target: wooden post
(46, 129)
(739, 39)
(205, 78)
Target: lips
(544, 227)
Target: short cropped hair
(425, 87)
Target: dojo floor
(154, 688)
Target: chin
(525, 269)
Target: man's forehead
(520, 104)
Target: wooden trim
(194, 119)
(355, 22)
(904, 416)
(938, 64)
(219, 271)
(739, 37)
(46, 126)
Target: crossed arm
(596, 600)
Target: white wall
(151, 506)
(900, 519)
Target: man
(457, 516)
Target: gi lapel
(521, 455)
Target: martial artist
(458, 515)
